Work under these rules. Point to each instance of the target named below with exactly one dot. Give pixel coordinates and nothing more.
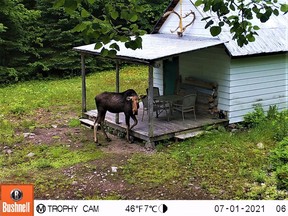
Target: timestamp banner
(159, 207)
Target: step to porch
(188, 135)
(87, 122)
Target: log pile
(206, 94)
(213, 102)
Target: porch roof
(156, 47)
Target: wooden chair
(186, 105)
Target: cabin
(227, 79)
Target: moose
(127, 102)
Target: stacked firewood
(213, 102)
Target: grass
(45, 157)
(225, 163)
(20, 102)
(24, 98)
(152, 170)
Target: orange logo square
(16, 200)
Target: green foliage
(282, 177)
(278, 120)
(279, 160)
(226, 162)
(74, 123)
(36, 39)
(266, 190)
(17, 41)
(238, 15)
(57, 41)
(280, 123)
(115, 20)
(7, 133)
(256, 117)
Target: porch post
(84, 109)
(150, 143)
(117, 86)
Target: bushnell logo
(16, 195)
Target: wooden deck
(162, 129)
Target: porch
(161, 54)
(162, 129)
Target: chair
(156, 91)
(159, 106)
(186, 105)
(145, 106)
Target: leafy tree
(237, 14)
(57, 41)
(16, 40)
(152, 11)
(115, 20)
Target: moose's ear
(129, 98)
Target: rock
(260, 145)
(114, 169)
(31, 154)
(29, 135)
(232, 126)
(74, 183)
(54, 126)
(8, 151)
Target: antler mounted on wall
(180, 26)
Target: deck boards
(163, 129)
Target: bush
(278, 120)
(254, 118)
(279, 156)
(280, 125)
(282, 177)
(265, 191)
(279, 160)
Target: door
(171, 74)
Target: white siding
(196, 29)
(158, 77)
(211, 64)
(286, 61)
(257, 80)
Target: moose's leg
(95, 130)
(127, 119)
(103, 127)
(104, 132)
(135, 121)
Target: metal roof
(156, 47)
(272, 37)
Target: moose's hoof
(108, 139)
(131, 139)
(97, 143)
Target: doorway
(170, 75)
